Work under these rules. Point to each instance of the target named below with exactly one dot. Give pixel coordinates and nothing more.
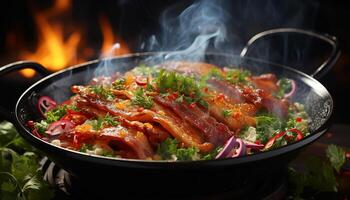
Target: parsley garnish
(119, 84)
(102, 91)
(186, 86)
(145, 70)
(56, 113)
(101, 122)
(168, 150)
(267, 126)
(237, 75)
(41, 126)
(85, 147)
(141, 99)
(226, 113)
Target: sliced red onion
(241, 151)
(45, 104)
(141, 81)
(292, 91)
(229, 145)
(252, 145)
(59, 127)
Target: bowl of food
(157, 120)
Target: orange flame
(110, 40)
(55, 51)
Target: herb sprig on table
(319, 176)
(20, 176)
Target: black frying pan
(139, 177)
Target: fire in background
(61, 43)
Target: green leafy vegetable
(41, 126)
(101, 122)
(56, 113)
(168, 150)
(187, 86)
(20, 177)
(267, 126)
(141, 99)
(102, 91)
(336, 156)
(119, 84)
(318, 175)
(237, 75)
(226, 113)
(211, 155)
(145, 70)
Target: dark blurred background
(79, 30)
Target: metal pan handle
(16, 66)
(320, 70)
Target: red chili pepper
(220, 96)
(30, 123)
(141, 81)
(173, 96)
(192, 105)
(274, 138)
(299, 119)
(36, 133)
(257, 142)
(298, 132)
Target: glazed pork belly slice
(154, 132)
(182, 131)
(131, 142)
(240, 114)
(212, 130)
(259, 97)
(135, 140)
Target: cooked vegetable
(141, 99)
(186, 111)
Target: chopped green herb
(119, 84)
(141, 99)
(101, 122)
(102, 91)
(267, 126)
(168, 150)
(203, 103)
(41, 126)
(226, 113)
(85, 147)
(237, 75)
(149, 87)
(145, 70)
(216, 73)
(187, 86)
(211, 155)
(56, 113)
